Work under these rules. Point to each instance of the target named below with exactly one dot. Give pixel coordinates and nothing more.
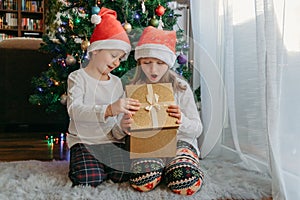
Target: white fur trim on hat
(158, 51)
(110, 44)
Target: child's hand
(126, 122)
(126, 105)
(174, 111)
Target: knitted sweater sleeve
(191, 126)
(77, 109)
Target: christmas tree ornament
(77, 40)
(70, 60)
(160, 24)
(154, 22)
(81, 10)
(181, 59)
(63, 99)
(127, 27)
(84, 45)
(160, 10)
(71, 24)
(95, 9)
(143, 6)
(172, 5)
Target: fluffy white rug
(34, 180)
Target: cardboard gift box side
(154, 132)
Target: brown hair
(169, 77)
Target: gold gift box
(153, 133)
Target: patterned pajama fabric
(146, 173)
(93, 164)
(182, 173)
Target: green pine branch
(75, 28)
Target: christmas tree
(72, 35)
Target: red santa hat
(157, 43)
(108, 33)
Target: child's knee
(91, 178)
(186, 186)
(146, 174)
(146, 181)
(184, 180)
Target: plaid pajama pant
(93, 164)
(181, 174)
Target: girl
(155, 54)
(96, 148)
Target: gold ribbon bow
(152, 99)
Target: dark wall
(18, 65)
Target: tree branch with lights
(72, 35)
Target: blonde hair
(169, 77)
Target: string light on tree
(137, 16)
(77, 20)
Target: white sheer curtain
(248, 56)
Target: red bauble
(160, 10)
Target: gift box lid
(154, 99)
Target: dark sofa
(21, 60)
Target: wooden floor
(44, 146)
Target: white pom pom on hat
(108, 33)
(96, 19)
(157, 43)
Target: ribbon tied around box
(152, 99)
(154, 105)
